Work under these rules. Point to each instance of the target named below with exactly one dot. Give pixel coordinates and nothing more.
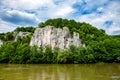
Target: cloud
(116, 32)
(63, 11)
(114, 29)
(108, 23)
(84, 7)
(58, 8)
(6, 27)
(102, 14)
(105, 16)
(25, 4)
(19, 17)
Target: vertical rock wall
(1, 42)
(55, 37)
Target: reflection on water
(60, 71)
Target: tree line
(100, 47)
(10, 36)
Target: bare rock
(1, 42)
(55, 37)
(21, 34)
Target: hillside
(87, 32)
(116, 36)
(99, 47)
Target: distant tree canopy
(25, 29)
(7, 36)
(116, 37)
(11, 35)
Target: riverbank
(24, 54)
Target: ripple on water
(116, 77)
(15, 68)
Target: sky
(103, 14)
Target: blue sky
(103, 14)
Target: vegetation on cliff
(100, 47)
(87, 32)
(10, 36)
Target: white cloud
(110, 12)
(63, 11)
(26, 4)
(6, 27)
(24, 15)
(114, 28)
(45, 9)
(41, 8)
(100, 9)
(19, 17)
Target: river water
(60, 71)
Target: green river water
(60, 71)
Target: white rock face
(1, 42)
(21, 34)
(55, 37)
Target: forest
(99, 46)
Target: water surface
(60, 71)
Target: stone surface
(1, 42)
(21, 34)
(55, 37)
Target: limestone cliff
(1, 42)
(21, 34)
(55, 37)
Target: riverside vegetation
(99, 47)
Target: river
(60, 71)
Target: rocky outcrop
(1, 42)
(21, 34)
(55, 37)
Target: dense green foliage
(25, 29)
(24, 40)
(22, 53)
(116, 36)
(100, 47)
(7, 36)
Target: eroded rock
(1, 42)
(21, 34)
(55, 37)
